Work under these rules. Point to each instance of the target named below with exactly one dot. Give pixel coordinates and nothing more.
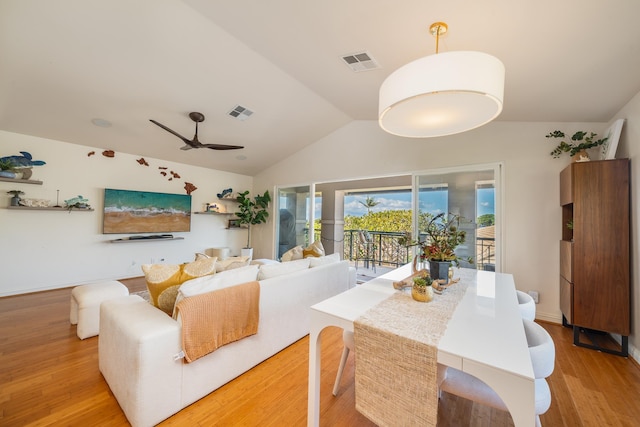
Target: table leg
(313, 408)
(518, 393)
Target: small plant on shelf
(580, 141)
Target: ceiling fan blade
(186, 141)
(222, 146)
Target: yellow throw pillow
(164, 280)
(315, 249)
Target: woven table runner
(396, 350)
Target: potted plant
(15, 200)
(252, 212)
(443, 235)
(7, 168)
(580, 142)
(422, 290)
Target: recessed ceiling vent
(241, 113)
(360, 62)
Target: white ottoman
(85, 305)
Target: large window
(470, 193)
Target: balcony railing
(388, 249)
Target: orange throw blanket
(216, 318)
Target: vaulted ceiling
(64, 63)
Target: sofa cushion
(163, 280)
(274, 270)
(217, 281)
(327, 259)
(232, 262)
(292, 254)
(313, 250)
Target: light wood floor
(49, 377)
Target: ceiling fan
(194, 143)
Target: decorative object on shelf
(422, 290)
(109, 153)
(215, 207)
(189, 187)
(35, 203)
(23, 163)
(7, 168)
(252, 212)
(443, 235)
(57, 205)
(78, 202)
(235, 223)
(15, 200)
(613, 135)
(226, 194)
(442, 94)
(580, 142)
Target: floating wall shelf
(21, 181)
(155, 239)
(49, 208)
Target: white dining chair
(349, 345)
(527, 306)
(542, 351)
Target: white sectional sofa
(139, 345)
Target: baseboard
(549, 317)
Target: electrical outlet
(535, 296)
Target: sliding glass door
(473, 193)
(294, 218)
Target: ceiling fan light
(442, 94)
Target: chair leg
(343, 361)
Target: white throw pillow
(328, 259)
(292, 254)
(232, 262)
(274, 270)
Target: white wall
(532, 215)
(45, 249)
(630, 147)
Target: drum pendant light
(442, 94)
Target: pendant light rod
(438, 29)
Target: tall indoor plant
(252, 211)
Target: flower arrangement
(579, 141)
(443, 235)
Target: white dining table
(485, 336)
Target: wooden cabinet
(594, 250)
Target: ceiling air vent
(240, 113)
(360, 62)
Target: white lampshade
(442, 94)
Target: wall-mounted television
(127, 211)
